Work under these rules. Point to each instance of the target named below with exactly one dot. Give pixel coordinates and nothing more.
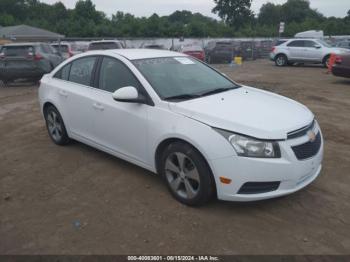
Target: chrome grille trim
(302, 131)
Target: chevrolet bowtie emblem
(312, 136)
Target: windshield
(182, 76)
(324, 43)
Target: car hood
(248, 111)
(339, 50)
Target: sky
(336, 8)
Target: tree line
(237, 20)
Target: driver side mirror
(317, 46)
(128, 94)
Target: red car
(341, 66)
(195, 51)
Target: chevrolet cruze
(175, 116)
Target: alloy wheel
(280, 61)
(54, 125)
(182, 175)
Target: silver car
(313, 51)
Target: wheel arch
(279, 54)
(166, 142)
(325, 58)
(47, 104)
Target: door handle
(63, 93)
(98, 106)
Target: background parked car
(342, 65)
(106, 44)
(154, 46)
(219, 52)
(27, 60)
(303, 51)
(247, 50)
(344, 44)
(194, 50)
(66, 49)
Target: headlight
(251, 147)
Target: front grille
(258, 187)
(308, 149)
(301, 132)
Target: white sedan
(176, 116)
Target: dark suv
(27, 61)
(220, 52)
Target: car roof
(135, 54)
(62, 43)
(24, 44)
(304, 39)
(105, 41)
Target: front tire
(186, 174)
(281, 60)
(55, 126)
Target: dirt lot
(77, 200)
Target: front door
(120, 126)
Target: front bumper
(293, 174)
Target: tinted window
(96, 46)
(114, 75)
(298, 43)
(112, 46)
(81, 70)
(344, 44)
(105, 45)
(280, 42)
(17, 50)
(63, 73)
(309, 44)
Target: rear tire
(281, 60)
(55, 126)
(186, 174)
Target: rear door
(296, 50)
(75, 96)
(313, 52)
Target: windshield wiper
(216, 91)
(183, 96)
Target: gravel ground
(77, 200)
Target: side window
(309, 44)
(297, 43)
(114, 75)
(63, 73)
(81, 70)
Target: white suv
(313, 51)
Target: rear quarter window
(297, 43)
(63, 73)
